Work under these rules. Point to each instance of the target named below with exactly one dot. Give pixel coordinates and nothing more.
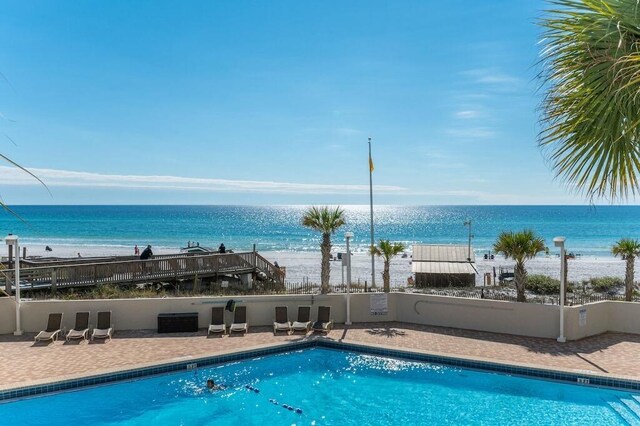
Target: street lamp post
(12, 240)
(559, 242)
(348, 236)
(468, 223)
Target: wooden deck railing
(132, 271)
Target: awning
(442, 268)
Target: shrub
(541, 284)
(603, 284)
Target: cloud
(68, 178)
(467, 114)
(492, 77)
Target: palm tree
(326, 221)
(519, 246)
(387, 250)
(590, 113)
(628, 250)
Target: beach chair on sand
(81, 329)
(104, 328)
(282, 320)
(304, 319)
(324, 323)
(217, 321)
(239, 324)
(54, 326)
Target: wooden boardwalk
(159, 268)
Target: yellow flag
(371, 168)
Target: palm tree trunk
(325, 249)
(386, 276)
(628, 279)
(520, 279)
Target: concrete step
(632, 405)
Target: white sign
(582, 319)
(379, 305)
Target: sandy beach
(305, 265)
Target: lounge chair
(104, 329)
(239, 320)
(54, 326)
(304, 319)
(81, 329)
(324, 323)
(217, 321)
(282, 320)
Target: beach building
(443, 265)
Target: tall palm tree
(590, 113)
(326, 221)
(628, 250)
(387, 250)
(519, 246)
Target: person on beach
(222, 248)
(136, 251)
(146, 253)
(79, 255)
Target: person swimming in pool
(211, 385)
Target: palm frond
(591, 73)
(626, 247)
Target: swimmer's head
(211, 384)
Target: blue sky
(263, 102)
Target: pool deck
(25, 363)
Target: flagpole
(373, 243)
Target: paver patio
(25, 363)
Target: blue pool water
(331, 388)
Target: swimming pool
(329, 387)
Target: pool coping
(578, 377)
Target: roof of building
(442, 253)
(442, 268)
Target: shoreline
(305, 265)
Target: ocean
(108, 230)
(589, 230)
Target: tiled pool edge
(133, 373)
(174, 366)
(526, 371)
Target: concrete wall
(624, 317)
(7, 315)
(525, 319)
(596, 319)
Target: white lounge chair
(81, 328)
(217, 321)
(239, 320)
(282, 320)
(304, 319)
(104, 328)
(54, 326)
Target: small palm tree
(326, 221)
(387, 250)
(519, 246)
(628, 250)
